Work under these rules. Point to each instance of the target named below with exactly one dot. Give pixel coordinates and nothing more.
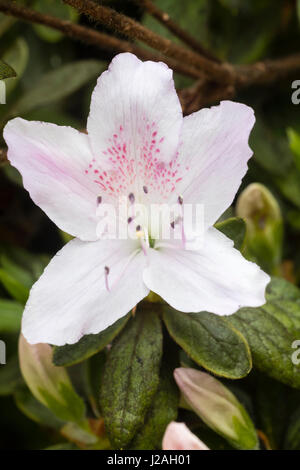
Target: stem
(267, 71)
(3, 157)
(95, 38)
(172, 26)
(126, 26)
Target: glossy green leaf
(17, 56)
(10, 376)
(17, 290)
(59, 10)
(34, 410)
(71, 409)
(271, 329)
(21, 275)
(292, 440)
(6, 71)
(10, 316)
(63, 446)
(294, 139)
(235, 229)
(131, 377)
(58, 84)
(210, 342)
(88, 345)
(163, 410)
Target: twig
(267, 71)
(95, 38)
(172, 26)
(132, 29)
(203, 93)
(3, 156)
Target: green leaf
(88, 345)
(6, 71)
(17, 290)
(235, 229)
(163, 410)
(59, 10)
(17, 56)
(271, 329)
(272, 400)
(10, 316)
(270, 146)
(93, 375)
(210, 342)
(34, 410)
(63, 446)
(192, 16)
(17, 272)
(58, 84)
(71, 408)
(10, 376)
(292, 440)
(131, 377)
(294, 139)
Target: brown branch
(172, 26)
(3, 156)
(267, 71)
(95, 38)
(204, 93)
(132, 29)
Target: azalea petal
(71, 299)
(215, 152)
(135, 120)
(215, 278)
(52, 161)
(178, 437)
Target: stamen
(141, 235)
(145, 189)
(183, 237)
(106, 273)
(99, 200)
(131, 198)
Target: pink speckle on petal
(131, 163)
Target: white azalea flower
(138, 146)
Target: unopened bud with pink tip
(217, 407)
(178, 437)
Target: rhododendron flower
(178, 437)
(138, 145)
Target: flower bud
(49, 384)
(261, 212)
(217, 407)
(178, 437)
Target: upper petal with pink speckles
(134, 127)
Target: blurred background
(55, 76)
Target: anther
(131, 198)
(138, 228)
(99, 200)
(106, 273)
(173, 224)
(145, 189)
(180, 200)
(129, 220)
